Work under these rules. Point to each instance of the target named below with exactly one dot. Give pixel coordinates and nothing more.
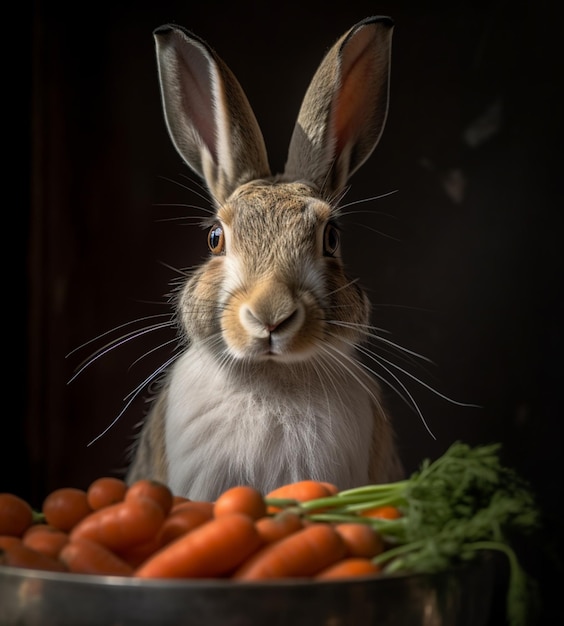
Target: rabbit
(268, 388)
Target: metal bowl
(461, 596)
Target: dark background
(463, 263)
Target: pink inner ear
(355, 100)
(197, 97)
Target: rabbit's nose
(265, 317)
(271, 309)
(282, 323)
(261, 323)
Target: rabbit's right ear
(208, 116)
(345, 108)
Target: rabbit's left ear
(344, 110)
(208, 116)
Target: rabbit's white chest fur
(221, 431)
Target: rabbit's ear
(207, 113)
(344, 110)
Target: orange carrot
(212, 549)
(176, 500)
(18, 555)
(331, 488)
(302, 491)
(38, 527)
(301, 554)
(153, 489)
(382, 512)
(281, 525)
(105, 491)
(179, 522)
(7, 541)
(351, 567)
(45, 539)
(139, 553)
(83, 556)
(16, 515)
(240, 499)
(202, 505)
(361, 539)
(65, 507)
(123, 525)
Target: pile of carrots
(145, 531)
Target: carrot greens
(462, 503)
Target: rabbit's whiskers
(201, 192)
(398, 351)
(121, 340)
(373, 332)
(362, 201)
(132, 395)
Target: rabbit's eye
(331, 240)
(216, 240)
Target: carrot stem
(367, 489)
(38, 517)
(281, 502)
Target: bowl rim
(17, 573)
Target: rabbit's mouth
(276, 349)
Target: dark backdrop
(463, 262)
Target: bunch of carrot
(462, 503)
(145, 531)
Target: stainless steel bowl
(461, 596)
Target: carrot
(153, 489)
(38, 527)
(18, 555)
(45, 539)
(7, 541)
(281, 525)
(16, 515)
(105, 491)
(83, 556)
(240, 499)
(382, 512)
(361, 539)
(301, 554)
(123, 525)
(212, 549)
(302, 491)
(138, 554)
(180, 522)
(351, 567)
(202, 505)
(331, 488)
(65, 507)
(176, 500)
